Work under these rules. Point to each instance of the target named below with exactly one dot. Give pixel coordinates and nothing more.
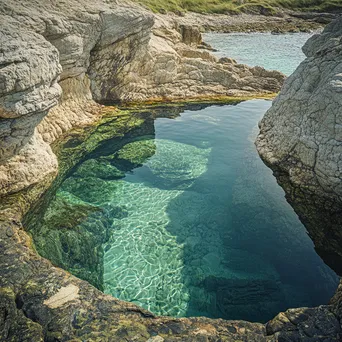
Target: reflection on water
(195, 223)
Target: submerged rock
(136, 153)
(90, 189)
(99, 169)
(70, 234)
(178, 163)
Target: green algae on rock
(63, 239)
(136, 153)
(98, 168)
(68, 243)
(161, 240)
(90, 189)
(81, 141)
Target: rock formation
(28, 89)
(39, 302)
(71, 53)
(301, 133)
(300, 139)
(56, 59)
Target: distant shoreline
(288, 22)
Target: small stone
(9, 232)
(155, 339)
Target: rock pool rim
(152, 111)
(177, 102)
(14, 230)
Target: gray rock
(302, 132)
(106, 50)
(29, 68)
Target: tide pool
(196, 223)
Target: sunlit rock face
(28, 84)
(46, 56)
(63, 57)
(301, 133)
(29, 68)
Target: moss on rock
(137, 152)
(72, 231)
(98, 168)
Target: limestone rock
(191, 35)
(35, 163)
(28, 84)
(76, 108)
(300, 139)
(301, 134)
(103, 51)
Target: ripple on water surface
(197, 223)
(143, 261)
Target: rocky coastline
(300, 140)
(281, 22)
(58, 62)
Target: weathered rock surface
(302, 132)
(100, 50)
(300, 139)
(29, 68)
(105, 51)
(169, 66)
(28, 84)
(34, 163)
(39, 302)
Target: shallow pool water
(197, 224)
(182, 217)
(281, 52)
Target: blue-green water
(272, 51)
(197, 223)
(194, 222)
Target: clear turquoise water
(201, 227)
(272, 51)
(197, 223)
